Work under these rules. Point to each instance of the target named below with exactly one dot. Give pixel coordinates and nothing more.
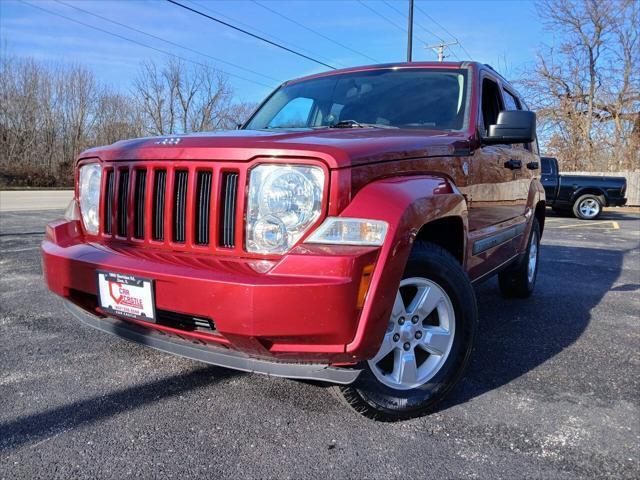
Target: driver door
(495, 191)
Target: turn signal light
(365, 281)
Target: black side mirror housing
(514, 126)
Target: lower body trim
(212, 355)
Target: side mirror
(514, 126)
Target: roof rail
(496, 72)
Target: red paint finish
(304, 308)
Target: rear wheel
(587, 207)
(519, 280)
(427, 342)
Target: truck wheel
(587, 207)
(427, 343)
(519, 280)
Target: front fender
(406, 204)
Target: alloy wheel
(419, 335)
(589, 208)
(533, 257)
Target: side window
(546, 166)
(511, 102)
(491, 103)
(293, 114)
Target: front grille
(194, 206)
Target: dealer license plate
(126, 295)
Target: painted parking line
(603, 225)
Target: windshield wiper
(355, 124)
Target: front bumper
(303, 310)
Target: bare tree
(50, 113)
(181, 98)
(586, 88)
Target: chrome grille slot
(228, 194)
(140, 194)
(159, 187)
(108, 202)
(180, 205)
(203, 208)
(123, 202)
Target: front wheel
(427, 343)
(587, 207)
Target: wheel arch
(596, 191)
(416, 206)
(448, 233)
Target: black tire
(370, 397)
(515, 281)
(587, 207)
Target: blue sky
(502, 33)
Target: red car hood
(337, 147)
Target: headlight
(89, 190)
(350, 231)
(284, 201)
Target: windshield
(403, 98)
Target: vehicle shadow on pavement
(516, 336)
(37, 427)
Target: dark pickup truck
(582, 194)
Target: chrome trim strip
(496, 239)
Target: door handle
(533, 165)
(513, 164)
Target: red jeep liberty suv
(335, 237)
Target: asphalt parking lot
(552, 391)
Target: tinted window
(491, 103)
(403, 98)
(510, 101)
(546, 166)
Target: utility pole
(410, 32)
(440, 48)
